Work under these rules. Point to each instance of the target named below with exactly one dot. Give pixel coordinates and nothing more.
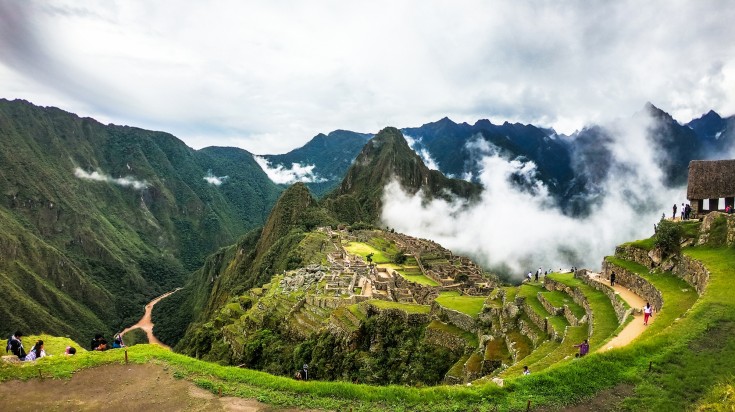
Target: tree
(668, 237)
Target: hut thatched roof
(711, 179)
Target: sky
(267, 76)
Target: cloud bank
(99, 176)
(297, 172)
(512, 231)
(415, 144)
(214, 180)
(266, 76)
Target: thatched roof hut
(711, 179)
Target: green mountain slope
(96, 219)
(384, 158)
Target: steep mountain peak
(483, 123)
(288, 212)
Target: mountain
(97, 219)
(716, 133)
(384, 158)
(331, 155)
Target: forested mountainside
(279, 247)
(97, 219)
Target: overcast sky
(267, 76)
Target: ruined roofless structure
(712, 180)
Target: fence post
(220, 391)
(528, 406)
(126, 356)
(650, 366)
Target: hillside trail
(146, 323)
(636, 326)
(120, 387)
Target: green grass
(605, 320)
(646, 244)
(496, 349)
(565, 351)
(419, 278)
(53, 345)
(363, 249)
(469, 305)
(471, 338)
(539, 353)
(406, 307)
(558, 299)
(530, 292)
(678, 295)
(522, 344)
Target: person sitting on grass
(15, 345)
(70, 351)
(584, 348)
(102, 345)
(37, 352)
(526, 371)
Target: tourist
(673, 215)
(118, 343)
(15, 345)
(584, 348)
(95, 342)
(101, 345)
(37, 352)
(70, 351)
(612, 279)
(538, 273)
(526, 371)
(647, 313)
(530, 276)
(683, 209)
(687, 211)
(305, 372)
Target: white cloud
(415, 144)
(516, 231)
(297, 172)
(99, 176)
(267, 76)
(214, 180)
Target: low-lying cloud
(415, 144)
(512, 231)
(214, 180)
(99, 176)
(297, 172)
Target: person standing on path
(647, 313)
(673, 215)
(612, 279)
(538, 273)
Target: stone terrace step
(566, 350)
(676, 294)
(604, 320)
(550, 323)
(539, 353)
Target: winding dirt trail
(146, 324)
(635, 327)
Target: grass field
(406, 307)
(469, 305)
(363, 249)
(471, 338)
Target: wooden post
(126, 356)
(39, 374)
(650, 366)
(528, 406)
(220, 391)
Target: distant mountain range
(570, 166)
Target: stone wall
(445, 339)
(539, 321)
(456, 318)
(634, 282)
(620, 308)
(529, 332)
(577, 296)
(421, 293)
(548, 306)
(635, 254)
(693, 272)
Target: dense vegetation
(97, 219)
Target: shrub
(668, 237)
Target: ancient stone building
(710, 180)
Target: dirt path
(119, 388)
(635, 327)
(146, 323)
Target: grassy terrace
(692, 363)
(406, 307)
(559, 299)
(471, 338)
(605, 321)
(678, 295)
(469, 305)
(530, 292)
(566, 350)
(539, 353)
(363, 249)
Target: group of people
(685, 211)
(534, 276)
(15, 346)
(99, 343)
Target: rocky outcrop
(445, 339)
(641, 256)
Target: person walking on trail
(15, 345)
(647, 313)
(673, 215)
(530, 276)
(584, 348)
(612, 279)
(538, 273)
